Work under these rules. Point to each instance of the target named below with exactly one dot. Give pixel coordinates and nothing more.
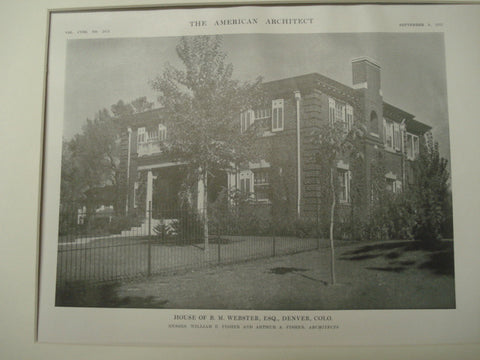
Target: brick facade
(279, 148)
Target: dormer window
(277, 115)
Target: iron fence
(95, 248)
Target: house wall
(279, 148)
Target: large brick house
(286, 177)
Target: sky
(99, 72)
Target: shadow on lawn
(83, 294)
(437, 259)
(297, 271)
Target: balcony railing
(149, 147)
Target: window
(246, 182)
(349, 122)
(245, 186)
(162, 132)
(344, 185)
(388, 133)
(396, 137)
(374, 122)
(262, 113)
(413, 146)
(151, 135)
(82, 215)
(331, 111)
(135, 191)
(149, 139)
(261, 184)
(392, 135)
(277, 115)
(340, 112)
(246, 119)
(141, 135)
(393, 185)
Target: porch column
(129, 130)
(299, 172)
(149, 191)
(200, 197)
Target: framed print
(255, 176)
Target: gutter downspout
(299, 174)
(402, 133)
(128, 167)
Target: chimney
(366, 74)
(366, 81)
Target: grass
(394, 275)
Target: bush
(393, 217)
(119, 223)
(186, 228)
(430, 194)
(304, 228)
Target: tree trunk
(332, 217)
(205, 214)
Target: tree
(430, 194)
(203, 103)
(120, 109)
(141, 104)
(333, 143)
(91, 158)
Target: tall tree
(430, 193)
(334, 143)
(203, 102)
(121, 109)
(94, 154)
(141, 104)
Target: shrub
(186, 228)
(392, 217)
(119, 223)
(430, 194)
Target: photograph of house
(322, 160)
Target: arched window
(374, 122)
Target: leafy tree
(141, 104)
(72, 183)
(203, 102)
(333, 143)
(91, 159)
(430, 193)
(121, 109)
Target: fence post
(218, 243)
(273, 242)
(149, 253)
(318, 233)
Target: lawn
(393, 275)
(120, 258)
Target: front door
(166, 189)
